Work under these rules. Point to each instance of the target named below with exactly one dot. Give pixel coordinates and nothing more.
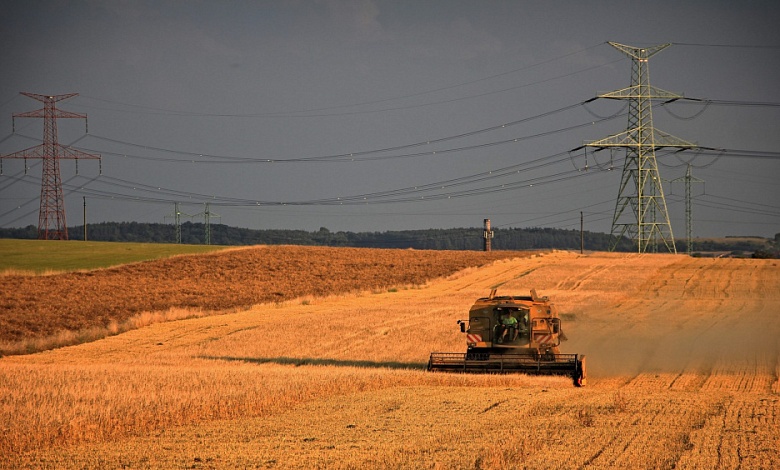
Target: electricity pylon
(647, 223)
(207, 215)
(688, 179)
(177, 214)
(51, 217)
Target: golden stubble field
(683, 359)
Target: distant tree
(26, 233)
(766, 254)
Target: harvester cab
(512, 334)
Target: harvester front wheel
(580, 375)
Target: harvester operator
(508, 322)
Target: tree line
(428, 239)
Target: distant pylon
(688, 179)
(647, 223)
(177, 214)
(51, 217)
(207, 215)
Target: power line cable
(768, 206)
(222, 159)
(743, 207)
(750, 178)
(739, 103)
(706, 103)
(739, 153)
(557, 214)
(24, 180)
(686, 118)
(735, 46)
(431, 191)
(4, 103)
(306, 112)
(349, 156)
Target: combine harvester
(506, 334)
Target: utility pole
(582, 234)
(487, 236)
(688, 179)
(640, 209)
(51, 216)
(85, 217)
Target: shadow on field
(297, 361)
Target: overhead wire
(739, 153)
(308, 112)
(333, 158)
(735, 208)
(393, 196)
(709, 102)
(418, 192)
(577, 210)
(733, 175)
(736, 46)
(24, 179)
(686, 118)
(738, 103)
(430, 191)
(360, 198)
(773, 209)
(349, 201)
(354, 155)
(396, 194)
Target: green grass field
(41, 256)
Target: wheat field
(682, 354)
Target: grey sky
(306, 81)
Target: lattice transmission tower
(207, 215)
(176, 216)
(51, 217)
(688, 179)
(640, 210)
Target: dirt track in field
(683, 355)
